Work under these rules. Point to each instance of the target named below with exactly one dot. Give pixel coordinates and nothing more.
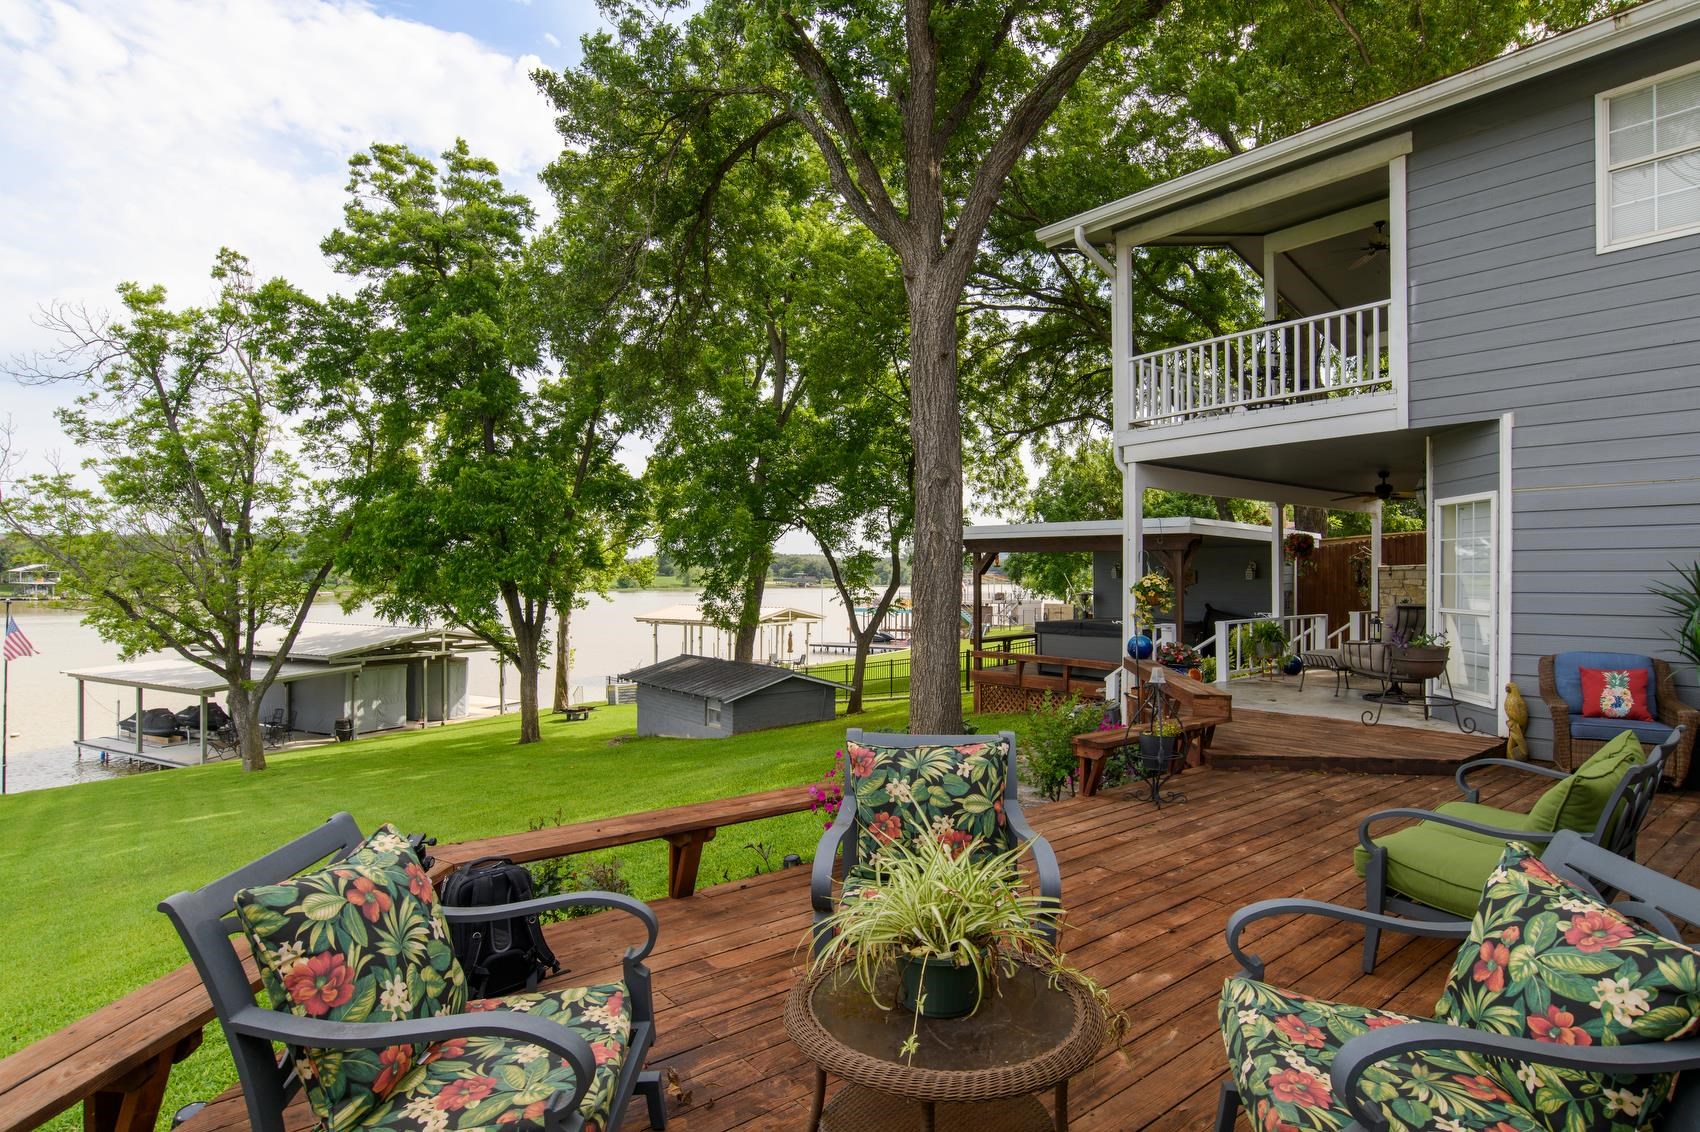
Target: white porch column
(1375, 520)
(1271, 296)
(1277, 533)
(1133, 539)
(138, 721)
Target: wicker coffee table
(971, 1074)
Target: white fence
(1232, 641)
(1303, 359)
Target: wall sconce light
(1252, 570)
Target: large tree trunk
(245, 717)
(935, 698)
(749, 617)
(563, 655)
(526, 666)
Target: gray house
(704, 697)
(1486, 290)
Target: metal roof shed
(704, 697)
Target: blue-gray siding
(1598, 356)
(662, 711)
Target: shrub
(1047, 757)
(562, 874)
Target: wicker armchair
(1570, 749)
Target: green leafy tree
(192, 526)
(918, 114)
(491, 473)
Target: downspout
(1092, 253)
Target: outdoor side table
(970, 1074)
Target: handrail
(1305, 631)
(124, 1051)
(1340, 353)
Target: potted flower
(951, 919)
(1417, 656)
(1173, 654)
(1268, 640)
(1157, 746)
(1299, 545)
(1152, 594)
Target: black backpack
(498, 956)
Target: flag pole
(5, 692)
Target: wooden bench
(576, 714)
(118, 1059)
(1200, 708)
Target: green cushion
(1437, 865)
(1578, 801)
(1515, 820)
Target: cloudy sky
(138, 136)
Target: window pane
(1679, 210)
(1677, 131)
(1677, 95)
(1632, 143)
(1631, 220)
(1631, 109)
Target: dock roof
(687, 614)
(333, 641)
(172, 674)
(713, 678)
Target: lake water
(42, 719)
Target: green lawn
(87, 864)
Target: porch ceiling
(1340, 465)
(1267, 216)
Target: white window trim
(1435, 588)
(713, 712)
(1602, 167)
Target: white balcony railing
(1340, 354)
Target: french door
(1466, 573)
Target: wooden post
(684, 856)
(443, 715)
(203, 729)
(131, 1103)
(81, 734)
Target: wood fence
(1335, 579)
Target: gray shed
(704, 697)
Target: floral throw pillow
(956, 790)
(1546, 960)
(1615, 694)
(362, 940)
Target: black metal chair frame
(1617, 830)
(836, 843)
(206, 920)
(277, 730)
(1641, 894)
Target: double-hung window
(1648, 160)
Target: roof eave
(1609, 34)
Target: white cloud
(138, 136)
(551, 39)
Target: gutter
(1612, 33)
(1092, 253)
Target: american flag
(16, 643)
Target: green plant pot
(950, 991)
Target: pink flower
(1289, 1086)
(320, 983)
(465, 1093)
(1300, 1032)
(1490, 967)
(1596, 930)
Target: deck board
(1270, 740)
(1149, 893)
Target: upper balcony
(1318, 360)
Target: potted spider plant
(1268, 640)
(952, 919)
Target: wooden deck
(1148, 892)
(1269, 740)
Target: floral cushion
(1281, 1048)
(1546, 960)
(361, 940)
(956, 790)
(500, 1083)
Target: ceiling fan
(1377, 246)
(1382, 491)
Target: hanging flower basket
(1153, 593)
(1300, 545)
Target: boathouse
(705, 697)
(377, 677)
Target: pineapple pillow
(1615, 693)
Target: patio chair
(371, 1005)
(1435, 870)
(1575, 736)
(1513, 1024)
(876, 818)
(277, 730)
